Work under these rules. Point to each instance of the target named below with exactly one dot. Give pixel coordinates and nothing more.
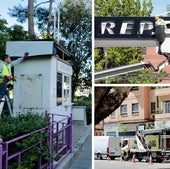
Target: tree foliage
(138, 77)
(15, 32)
(116, 57)
(123, 8)
(4, 36)
(76, 28)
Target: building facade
(99, 129)
(145, 107)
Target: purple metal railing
(59, 139)
(62, 137)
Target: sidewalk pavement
(84, 160)
(80, 135)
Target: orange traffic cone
(133, 159)
(150, 159)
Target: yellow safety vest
(6, 70)
(161, 22)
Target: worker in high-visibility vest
(6, 78)
(160, 26)
(159, 21)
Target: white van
(107, 146)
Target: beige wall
(99, 129)
(144, 96)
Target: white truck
(134, 146)
(153, 143)
(159, 141)
(107, 146)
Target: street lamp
(168, 12)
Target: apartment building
(99, 129)
(145, 107)
(158, 61)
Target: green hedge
(12, 127)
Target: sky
(160, 6)
(4, 10)
(4, 6)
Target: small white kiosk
(43, 80)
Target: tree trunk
(49, 19)
(107, 100)
(31, 31)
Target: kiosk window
(59, 88)
(67, 89)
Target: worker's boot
(159, 49)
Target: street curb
(68, 161)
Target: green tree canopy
(15, 32)
(4, 36)
(76, 28)
(123, 7)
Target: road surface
(117, 164)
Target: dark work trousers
(3, 90)
(160, 36)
